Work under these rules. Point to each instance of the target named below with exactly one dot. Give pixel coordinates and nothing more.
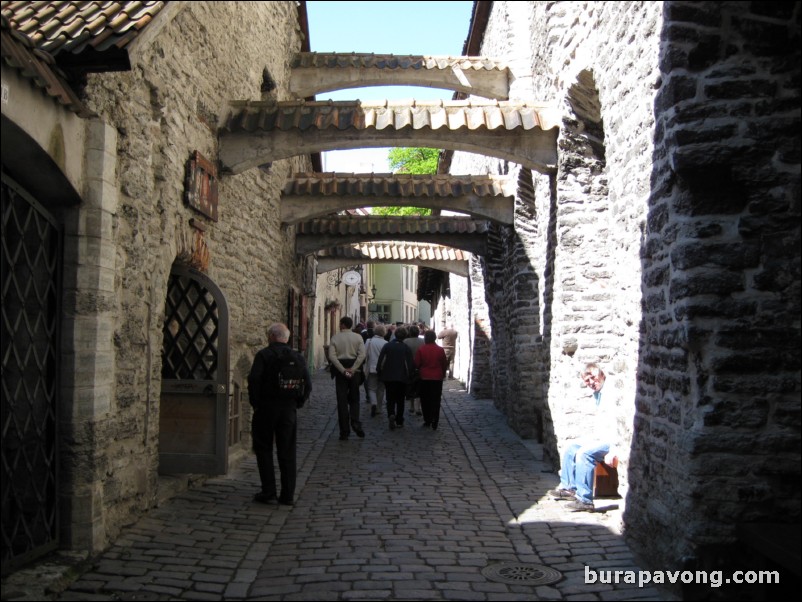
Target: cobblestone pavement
(410, 514)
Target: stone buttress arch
(458, 232)
(260, 132)
(439, 257)
(313, 73)
(312, 195)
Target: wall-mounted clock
(352, 278)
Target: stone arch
(257, 132)
(313, 195)
(578, 264)
(436, 257)
(587, 124)
(449, 231)
(314, 73)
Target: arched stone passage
(459, 232)
(551, 252)
(315, 72)
(261, 132)
(437, 257)
(308, 196)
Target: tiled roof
(401, 251)
(251, 116)
(39, 67)
(394, 185)
(384, 226)
(75, 26)
(393, 61)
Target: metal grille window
(190, 332)
(30, 390)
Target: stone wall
(665, 248)
(566, 283)
(165, 108)
(717, 429)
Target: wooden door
(193, 416)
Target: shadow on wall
(717, 425)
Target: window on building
(383, 312)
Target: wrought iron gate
(31, 259)
(193, 416)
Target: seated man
(579, 460)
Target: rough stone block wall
(165, 108)
(514, 292)
(576, 257)
(718, 423)
(669, 242)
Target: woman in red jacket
(431, 362)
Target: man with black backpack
(279, 384)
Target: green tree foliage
(411, 161)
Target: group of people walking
(403, 367)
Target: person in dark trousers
(414, 342)
(275, 403)
(395, 369)
(346, 356)
(432, 364)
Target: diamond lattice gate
(193, 414)
(30, 390)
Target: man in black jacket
(279, 384)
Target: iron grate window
(29, 348)
(190, 331)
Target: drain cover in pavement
(521, 573)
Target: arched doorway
(193, 414)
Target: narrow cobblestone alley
(411, 514)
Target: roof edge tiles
(74, 27)
(400, 250)
(338, 60)
(19, 53)
(395, 185)
(250, 116)
(382, 225)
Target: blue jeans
(579, 462)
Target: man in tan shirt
(346, 355)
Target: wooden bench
(605, 479)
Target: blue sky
(434, 28)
